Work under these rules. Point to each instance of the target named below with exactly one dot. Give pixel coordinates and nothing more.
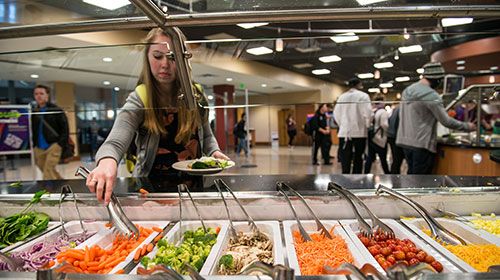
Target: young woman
(165, 131)
(291, 130)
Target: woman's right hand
(103, 175)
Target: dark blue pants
(351, 151)
(420, 161)
(374, 149)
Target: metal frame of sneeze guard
(180, 52)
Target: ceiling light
(460, 67)
(402, 79)
(279, 45)
(107, 59)
(302, 65)
(229, 79)
(410, 49)
(381, 65)
(494, 68)
(459, 62)
(406, 35)
(368, 2)
(320, 71)
(420, 70)
(263, 85)
(396, 57)
(385, 90)
(308, 50)
(374, 90)
(259, 51)
(376, 75)
(210, 97)
(365, 75)
(117, 89)
(386, 85)
(331, 58)
(110, 114)
(421, 76)
(445, 22)
(346, 37)
(106, 83)
(108, 4)
(252, 25)
(492, 79)
(165, 9)
(398, 95)
(34, 76)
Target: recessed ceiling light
(368, 2)
(302, 65)
(229, 79)
(34, 76)
(308, 50)
(108, 4)
(491, 79)
(252, 25)
(376, 74)
(410, 49)
(381, 65)
(374, 90)
(420, 70)
(320, 71)
(346, 37)
(259, 51)
(107, 59)
(365, 75)
(210, 97)
(402, 79)
(263, 85)
(460, 67)
(460, 62)
(106, 83)
(494, 68)
(279, 45)
(386, 85)
(445, 22)
(117, 89)
(331, 58)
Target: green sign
(242, 85)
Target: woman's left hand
(219, 154)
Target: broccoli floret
(198, 264)
(145, 260)
(161, 243)
(227, 261)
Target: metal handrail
(271, 16)
(466, 91)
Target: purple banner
(14, 129)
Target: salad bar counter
(311, 233)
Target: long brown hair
(154, 112)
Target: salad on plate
(209, 163)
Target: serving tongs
(354, 272)
(303, 233)
(365, 229)
(456, 216)
(180, 189)
(220, 183)
(276, 272)
(437, 230)
(14, 264)
(65, 190)
(168, 273)
(120, 223)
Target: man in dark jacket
(241, 133)
(321, 135)
(50, 133)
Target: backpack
(308, 127)
(372, 132)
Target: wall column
(64, 97)
(224, 118)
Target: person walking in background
(291, 129)
(320, 134)
(94, 130)
(241, 133)
(353, 115)
(421, 109)
(50, 133)
(377, 139)
(397, 152)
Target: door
(282, 128)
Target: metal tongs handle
(65, 190)
(302, 231)
(14, 264)
(220, 182)
(431, 222)
(185, 187)
(233, 230)
(352, 270)
(301, 198)
(276, 272)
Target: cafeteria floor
(262, 160)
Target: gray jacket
(420, 110)
(128, 124)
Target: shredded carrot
(157, 229)
(52, 263)
(108, 224)
(120, 271)
(313, 255)
(143, 191)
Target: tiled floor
(262, 161)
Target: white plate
(183, 166)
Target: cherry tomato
(386, 251)
(410, 256)
(421, 256)
(374, 251)
(399, 255)
(414, 250)
(381, 237)
(429, 259)
(414, 261)
(379, 256)
(437, 266)
(405, 249)
(364, 240)
(398, 248)
(381, 260)
(391, 259)
(385, 265)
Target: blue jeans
(382, 153)
(420, 161)
(242, 145)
